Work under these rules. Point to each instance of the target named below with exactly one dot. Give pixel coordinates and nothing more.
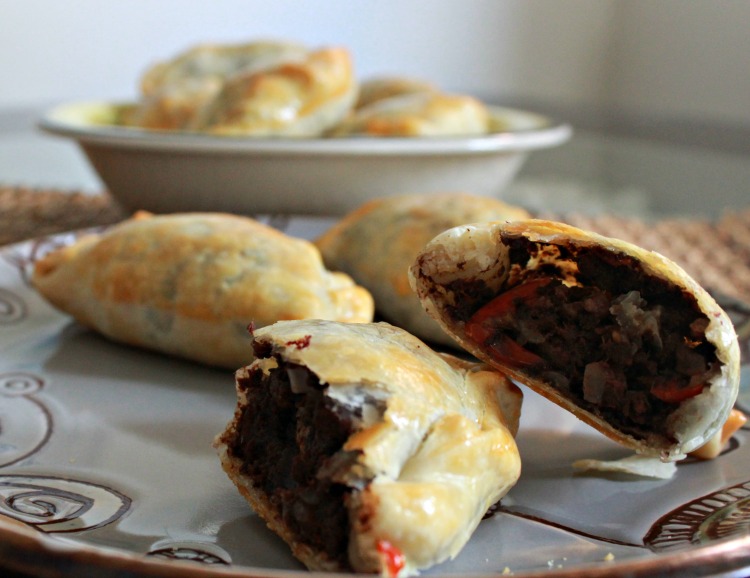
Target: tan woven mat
(26, 213)
(715, 253)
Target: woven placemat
(714, 253)
(27, 212)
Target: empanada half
(620, 336)
(190, 284)
(364, 449)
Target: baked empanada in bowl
(377, 243)
(190, 284)
(217, 62)
(364, 449)
(378, 88)
(295, 99)
(175, 92)
(418, 114)
(620, 336)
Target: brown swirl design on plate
(12, 308)
(723, 514)
(203, 553)
(53, 504)
(25, 422)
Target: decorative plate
(106, 468)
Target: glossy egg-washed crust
(428, 466)
(377, 243)
(217, 61)
(297, 98)
(175, 91)
(418, 114)
(190, 284)
(476, 252)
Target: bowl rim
(78, 120)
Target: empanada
(364, 449)
(381, 87)
(176, 91)
(377, 243)
(299, 99)
(620, 336)
(418, 114)
(218, 62)
(190, 284)
(174, 107)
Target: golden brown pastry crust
(475, 252)
(378, 88)
(190, 284)
(418, 114)
(176, 91)
(300, 99)
(376, 243)
(434, 450)
(218, 62)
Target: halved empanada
(377, 243)
(190, 284)
(364, 449)
(620, 336)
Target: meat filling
(287, 434)
(625, 345)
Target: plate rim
(725, 555)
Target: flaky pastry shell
(189, 284)
(615, 309)
(418, 445)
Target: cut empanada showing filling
(620, 336)
(627, 346)
(287, 432)
(365, 450)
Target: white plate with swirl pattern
(107, 469)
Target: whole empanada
(364, 449)
(381, 87)
(294, 99)
(620, 336)
(176, 91)
(190, 284)
(377, 243)
(218, 62)
(420, 114)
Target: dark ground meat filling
(625, 345)
(288, 431)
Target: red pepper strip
(506, 302)
(480, 327)
(670, 391)
(394, 558)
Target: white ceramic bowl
(164, 171)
